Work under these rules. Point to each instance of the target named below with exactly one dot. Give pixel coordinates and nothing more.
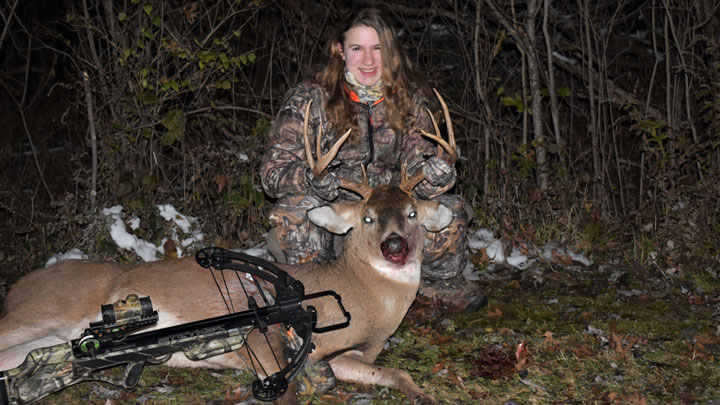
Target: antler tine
(448, 122)
(450, 146)
(407, 184)
(325, 160)
(363, 189)
(318, 168)
(322, 160)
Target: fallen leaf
(456, 379)
(704, 340)
(169, 248)
(521, 354)
(582, 351)
(421, 330)
(494, 314)
(616, 342)
(221, 181)
(635, 398)
(548, 339)
(436, 338)
(479, 395)
(438, 367)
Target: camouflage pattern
(216, 347)
(445, 252)
(127, 310)
(295, 239)
(44, 371)
(315, 378)
(50, 369)
(284, 162)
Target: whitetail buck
(377, 275)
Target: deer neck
(370, 265)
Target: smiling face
(361, 53)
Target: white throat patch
(407, 274)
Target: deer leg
(352, 367)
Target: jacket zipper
(371, 142)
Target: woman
(370, 86)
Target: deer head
(386, 223)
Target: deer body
(54, 305)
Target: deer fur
(54, 305)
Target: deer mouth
(395, 249)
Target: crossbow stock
(108, 344)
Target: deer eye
(367, 220)
(412, 214)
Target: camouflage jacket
(284, 163)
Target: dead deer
(377, 275)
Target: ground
(555, 332)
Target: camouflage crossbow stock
(108, 344)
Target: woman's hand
(325, 188)
(438, 172)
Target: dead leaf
(635, 398)
(221, 181)
(564, 260)
(582, 351)
(494, 314)
(493, 363)
(456, 379)
(191, 12)
(704, 340)
(521, 354)
(437, 338)
(479, 395)
(421, 330)
(548, 339)
(169, 248)
(438, 367)
(616, 342)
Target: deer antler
(318, 169)
(409, 183)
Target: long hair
(399, 76)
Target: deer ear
(434, 216)
(336, 218)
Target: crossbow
(109, 343)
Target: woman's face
(361, 53)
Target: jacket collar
(354, 97)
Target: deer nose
(395, 249)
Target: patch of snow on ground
(147, 250)
(495, 251)
(70, 254)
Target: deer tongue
(395, 249)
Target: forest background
(594, 125)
